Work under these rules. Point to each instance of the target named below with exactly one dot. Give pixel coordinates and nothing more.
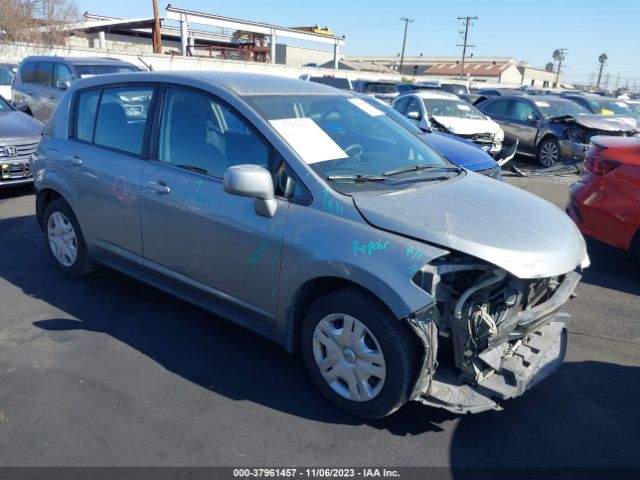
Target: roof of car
(242, 84)
(77, 60)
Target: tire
(64, 239)
(549, 152)
(385, 341)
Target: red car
(605, 201)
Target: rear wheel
(65, 241)
(549, 152)
(361, 358)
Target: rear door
(23, 91)
(498, 109)
(104, 161)
(43, 96)
(194, 233)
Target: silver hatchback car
(307, 215)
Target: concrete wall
(299, 56)
(16, 52)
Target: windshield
(344, 135)
(611, 107)
(85, 71)
(446, 107)
(558, 108)
(6, 75)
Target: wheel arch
(43, 198)
(308, 293)
(545, 137)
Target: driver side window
(202, 135)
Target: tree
(549, 67)
(36, 21)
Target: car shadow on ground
(581, 400)
(611, 268)
(585, 415)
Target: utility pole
(617, 81)
(406, 21)
(602, 59)
(559, 55)
(157, 36)
(467, 24)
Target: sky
(524, 29)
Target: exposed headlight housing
(577, 135)
(499, 136)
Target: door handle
(158, 187)
(51, 97)
(28, 92)
(74, 160)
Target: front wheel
(549, 152)
(361, 358)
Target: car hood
(467, 126)
(18, 125)
(609, 123)
(495, 222)
(462, 152)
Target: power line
(467, 24)
(406, 21)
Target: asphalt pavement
(106, 371)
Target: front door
(195, 233)
(524, 124)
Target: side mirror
(414, 115)
(252, 181)
(63, 84)
(532, 119)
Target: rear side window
(86, 117)
(122, 118)
(27, 72)
(43, 75)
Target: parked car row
(41, 81)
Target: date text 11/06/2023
(318, 472)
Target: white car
(448, 113)
(7, 72)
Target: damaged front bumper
(525, 351)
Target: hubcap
(549, 154)
(349, 357)
(62, 239)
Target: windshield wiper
(356, 178)
(417, 168)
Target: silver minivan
(41, 80)
(307, 215)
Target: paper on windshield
(308, 140)
(466, 108)
(366, 108)
(621, 104)
(541, 104)
(87, 75)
